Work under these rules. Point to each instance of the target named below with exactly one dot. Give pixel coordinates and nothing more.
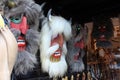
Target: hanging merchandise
(75, 48)
(102, 31)
(54, 34)
(24, 23)
(8, 50)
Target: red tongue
(58, 40)
(22, 26)
(79, 44)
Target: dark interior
(82, 10)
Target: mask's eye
(78, 28)
(15, 19)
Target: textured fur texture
(52, 26)
(79, 33)
(29, 62)
(26, 59)
(2, 5)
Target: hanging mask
(102, 31)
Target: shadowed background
(82, 10)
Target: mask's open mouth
(57, 54)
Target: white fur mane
(50, 28)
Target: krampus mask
(102, 31)
(54, 33)
(75, 48)
(23, 16)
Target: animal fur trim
(51, 27)
(25, 62)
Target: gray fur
(75, 65)
(2, 4)
(25, 62)
(78, 66)
(33, 39)
(15, 32)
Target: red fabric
(79, 44)
(22, 26)
(59, 40)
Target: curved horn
(70, 21)
(49, 15)
(42, 5)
